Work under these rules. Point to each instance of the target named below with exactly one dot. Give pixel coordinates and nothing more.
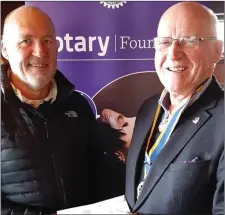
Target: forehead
(33, 24)
(111, 112)
(178, 24)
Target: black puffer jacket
(44, 151)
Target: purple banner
(101, 42)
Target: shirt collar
(165, 102)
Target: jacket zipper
(58, 176)
(59, 180)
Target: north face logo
(71, 113)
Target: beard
(39, 81)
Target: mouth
(38, 65)
(177, 69)
(122, 133)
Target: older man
(45, 123)
(176, 160)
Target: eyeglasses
(163, 43)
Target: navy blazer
(173, 186)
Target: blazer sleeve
(218, 199)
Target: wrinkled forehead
(29, 23)
(177, 25)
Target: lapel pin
(196, 120)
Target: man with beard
(46, 125)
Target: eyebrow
(25, 35)
(31, 36)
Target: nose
(39, 50)
(117, 121)
(175, 51)
(121, 121)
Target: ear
(4, 51)
(218, 51)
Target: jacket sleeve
(107, 171)
(11, 208)
(218, 200)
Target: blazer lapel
(142, 125)
(176, 143)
